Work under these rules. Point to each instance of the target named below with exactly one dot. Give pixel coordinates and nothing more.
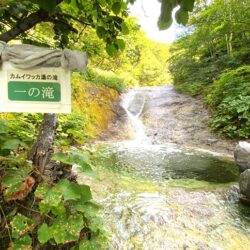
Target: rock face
(245, 183)
(242, 156)
(136, 104)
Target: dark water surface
(159, 162)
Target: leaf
(116, 7)
(12, 183)
(165, 20)
(163, 25)
(85, 193)
(73, 191)
(20, 225)
(86, 170)
(51, 199)
(41, 191)
(3, 127)
(74, 4)
(124, 29)
(44, 233)
(181, 16)
(88, 208)
(95, 224)
(187, 5)
(48, 5)
(121, 44)
(22, 191)
(11, 144)
(75, 133)
(80, 158)
(111, 50)
(68, 229)
(101, 32)
(102, 3)
(70, 190)
(62, 157)
(14, 179)
(22, 243)
(59, 209)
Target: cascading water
(164, 196)
(133, 103)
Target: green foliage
(230, 84)
(142, 61)
(81, 160)
(7, 143)
(69, 18)
(217, 42)
(70, 204)
(71, 129)
(66, 206)
(232, 117)
(23, 126)
(167, 6)
(14, 177)
(191, 88)
(21, 227)
(106, 17)
(229, 101)
(106, 78)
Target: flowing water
(159, 195)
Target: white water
(133, 103)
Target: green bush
(106, 78)
(71, 128)
(229, 102)
(229, 84)
(193, 89)
(24, 126)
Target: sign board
(43, 90)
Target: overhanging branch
(26, 24)
(75, 19)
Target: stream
(166, 182)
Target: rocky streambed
(164, 180)
(171, 117)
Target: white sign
(40, 90)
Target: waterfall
(133, 103)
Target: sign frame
(42, 98)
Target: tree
(211, 57)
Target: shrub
(71, 128)
(229, 102)
(229, 84)
(106, 78)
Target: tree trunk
(42, 150)
(229, 38)
(230, 44)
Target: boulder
(245, 183)
(242, 156)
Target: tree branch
(75, 19)
(26, 24)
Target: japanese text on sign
(34, 91)
(45, 77)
